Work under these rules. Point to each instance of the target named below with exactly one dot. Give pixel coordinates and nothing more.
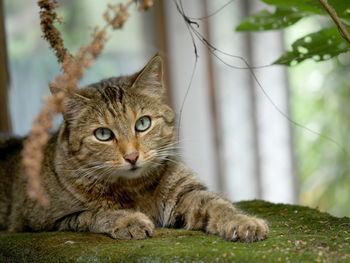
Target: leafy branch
(336, 19)
(319, 46)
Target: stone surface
(298, 234)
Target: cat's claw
(242, 228)
(251, 229)
(234, 236)
(133, 226)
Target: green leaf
(342, 7)
(319, 46)
(264, 20)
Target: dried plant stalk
(145, 5)
(48, 17)
(33, 148)
(64, 84)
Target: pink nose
(131, 157)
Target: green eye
(103, 134)
(142, 124)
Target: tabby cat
(112, 168)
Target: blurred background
(235, 129)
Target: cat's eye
(143, 123)
(103, 134)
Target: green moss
(298, 234)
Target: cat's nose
(131, 157)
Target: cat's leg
(120, 224)
(202, 210)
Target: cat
(112, 168)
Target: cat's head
(120, 127)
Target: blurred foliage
(320, 100)
(320, 95)
(265, 20)
(319, 46)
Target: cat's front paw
(133, 226)
(242, 228)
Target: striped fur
(93, 188)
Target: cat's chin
(131, 173)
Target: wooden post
(5, 123)
(214, 110)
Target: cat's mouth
(134, 167)
(130, 172)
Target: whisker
(170, 160)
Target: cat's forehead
(116, 100)
(121, 91)
(113, 94)
(110, 91)
(119, 96)
(121, 101)
(112, 106)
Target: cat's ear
(75, 101)
(149, 80)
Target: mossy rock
(298, 234)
